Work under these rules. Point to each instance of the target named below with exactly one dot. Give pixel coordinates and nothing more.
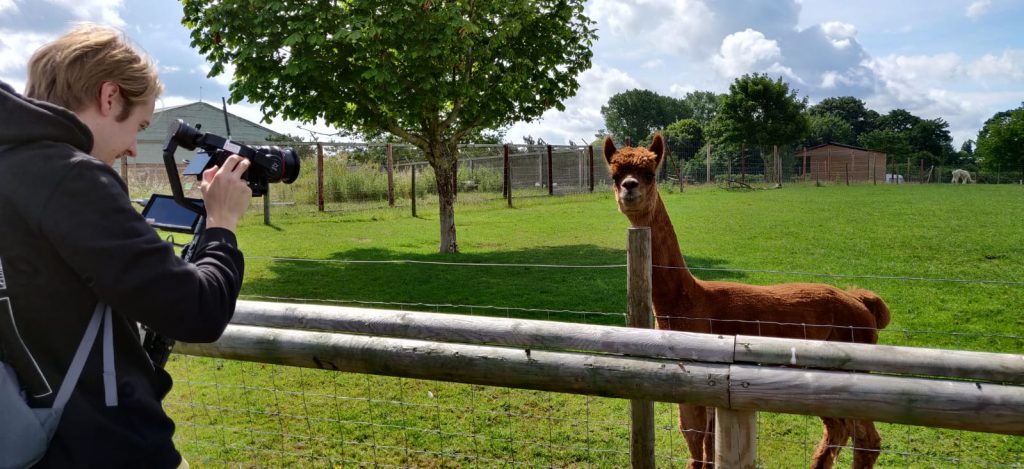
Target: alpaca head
(633, 171)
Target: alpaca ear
(609, 149)
(658, 148)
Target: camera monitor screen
(197, 165)
(163, 212)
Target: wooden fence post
(709, 163)
(412, 191)
(551, 178)
(735, 439)
(505, 186)
(641, 309)
(391, 176)
(590, 159)
(320, 177)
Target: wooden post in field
(391, 176)
(507, 185)
(828, 164)
(847, 174)
(412, 190)
(709, 164)
(908, 170)
(551, 179)
(590, 162)
(873, 169)
(641, 309)
(777, 165)
(320, 177)
(803, 167)
(735, 439)
(743, 162)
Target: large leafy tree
(851, 110)
(634, 114)
(762, 112)
(703, 105)
(828, 128)
(903, 135)
(684, 138)
(1001, 141)
(428, 72)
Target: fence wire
(233, 413)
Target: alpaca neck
(669, 273)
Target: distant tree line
(759, 112)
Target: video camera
(188, 215)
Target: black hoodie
(69, 238)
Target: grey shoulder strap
(100, 314)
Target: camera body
(268, 164)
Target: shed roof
(843, 145)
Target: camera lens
(285, 166)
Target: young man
(70, 239)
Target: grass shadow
(536, 283)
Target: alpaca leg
(867, 444)
(837, 432)
(693, 424)
(709, 437)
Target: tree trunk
(444, 159)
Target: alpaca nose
(630, 184)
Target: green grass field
(948, 260)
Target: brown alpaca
(795, 310)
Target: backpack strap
(101, 312)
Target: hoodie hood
(24, 120)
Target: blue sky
(961, 60)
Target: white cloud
(680, 91)
(101, 11)
(8, 6)
(917, 72)
(16, 47)
(1008, 66)
(582, 115)
(745, 52)
(672, 26)
(654, 63)
(978, 8)
(841, 34)
(225, 78)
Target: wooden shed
(839, 162)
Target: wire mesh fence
(376, 176)
(233, 413)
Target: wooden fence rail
(737, 375)
(727, 383)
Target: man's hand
(225, 194)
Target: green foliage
(849, 109)
(636, 113)
(828, 128)
(394, 66)
(1001, 141)
(703, 105)
(761, 111)
(903, 135)
(684, 138)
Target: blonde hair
(70, 71)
